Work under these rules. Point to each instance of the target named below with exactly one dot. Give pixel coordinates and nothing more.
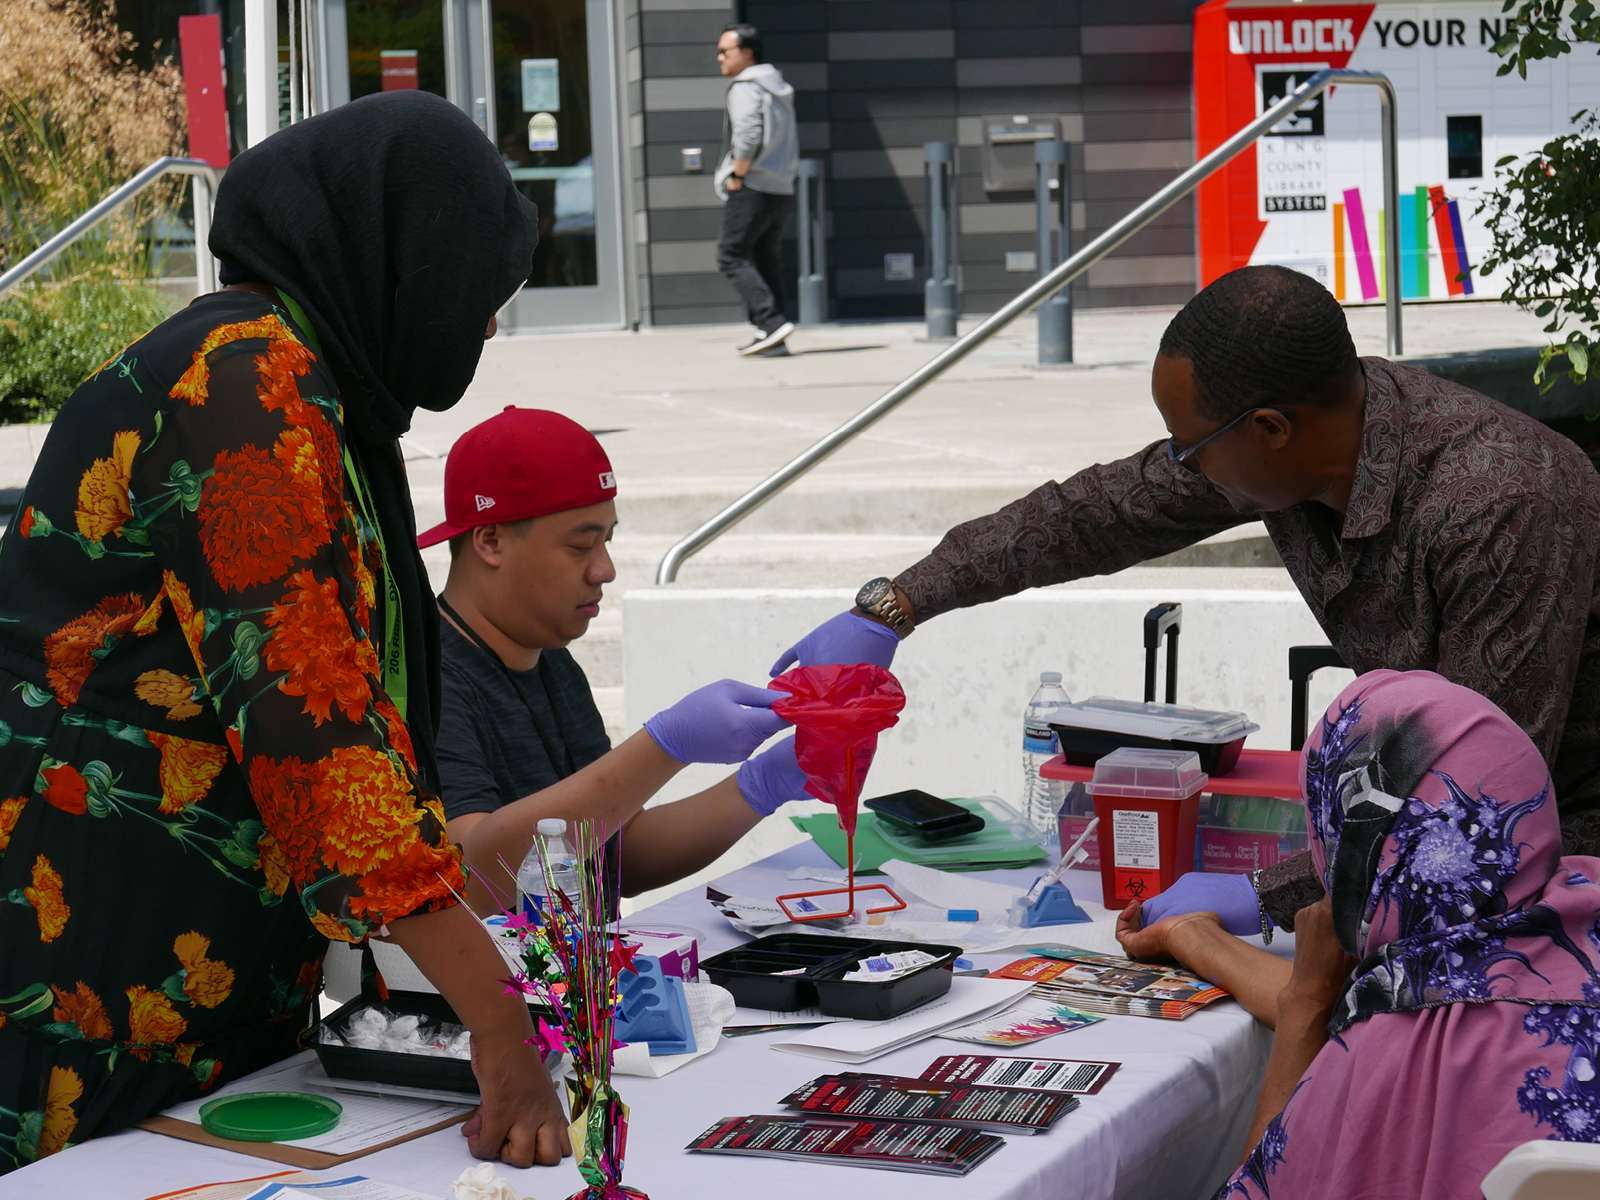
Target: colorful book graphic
(1425, 205)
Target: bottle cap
(552, 827)
(1049, 676)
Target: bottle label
(1039, 739)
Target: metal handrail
(205, 189)
(1059, 278)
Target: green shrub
(52, 336)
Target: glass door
(552, 111)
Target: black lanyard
(556, 745)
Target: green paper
(872, 851)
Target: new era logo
(484, 502)
(608, 479)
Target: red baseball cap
(525, 462)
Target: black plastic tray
(1085, 747)
(752, 973)
(387, 1066)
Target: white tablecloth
(1170, 1125)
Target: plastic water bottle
(1041, 797)
(563, 860)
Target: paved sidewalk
(689, 426)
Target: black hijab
(394, 224)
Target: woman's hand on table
(1166, 938)
(520, 1121)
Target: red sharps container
(1148, 802)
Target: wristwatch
(878, 598)
(1266, 921)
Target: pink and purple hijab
(1473, 1017)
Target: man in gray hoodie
(755, 179)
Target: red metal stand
(809, 911)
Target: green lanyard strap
(392, 656)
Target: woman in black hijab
(219, 654)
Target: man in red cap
(530, 509)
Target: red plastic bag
(838, 710)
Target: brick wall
(875, 79)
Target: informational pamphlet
(887, 1145)
(1030, 1019)
(1069, 1076)
(1106, 983)
(890, 1097)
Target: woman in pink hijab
(1471, 1022)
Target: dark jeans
(747, 252)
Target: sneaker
(767, 341)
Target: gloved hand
(771, 778)
(722, 722)
(847, 638)
(1229, 896)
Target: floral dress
(202, 779)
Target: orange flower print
(274, 866)
(187, 769)
(70, 652)
(84, 1009)
(163, 689)
(332, 927)
(66, 1089)
(27, 521)
(48, 903)
(10, 813)
(152, 1020)
(194, 384)
(365, 811)
(190, 622)
(103, 505)
(296, 450)
(284, 361)
(330, 459)
(399, 735)
(417, 878)
(66, 789)
(312, 641)
(255, 522)
(283, 793)
(205, 982)
(366, 586)
(235, 743)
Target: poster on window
(1309, 194)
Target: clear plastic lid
(1165, 722)
(1148, 774)
(1049, 676)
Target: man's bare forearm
(611, 790)
(670, 841)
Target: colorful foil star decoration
(838, 712)
(571, 957)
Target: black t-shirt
(504, 734)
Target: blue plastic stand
(654, 1009)
(1055, 906)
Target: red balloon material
(838, 710)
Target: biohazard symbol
(1135, 887)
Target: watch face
(873, 591)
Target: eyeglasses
(1184, 455)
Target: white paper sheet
(710, 1008)
(858, 1041)
(366, 1121)
(767, 1016)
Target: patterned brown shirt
(1469, 548)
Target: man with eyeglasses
(1427, 526)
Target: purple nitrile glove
(1231, 897)
(723, 722)
(847, 638)
(772, 778)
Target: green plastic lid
(269, 1116)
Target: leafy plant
(54, 335)
(1544, 214)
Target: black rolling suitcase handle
(1304, 662)
(1162, 619)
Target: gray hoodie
(759, 125)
